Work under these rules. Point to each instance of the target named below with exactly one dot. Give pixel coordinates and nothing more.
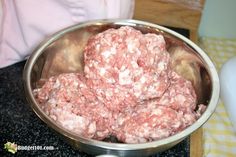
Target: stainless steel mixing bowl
(63, 52)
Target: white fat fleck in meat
(134, 64)
(106, 54)
(92, 128)
(57, 84)
(126, 90)
(143, 79)
(102, 71)
(161, 66)
(124, 77)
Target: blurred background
(211, 24)
(218, 38)
(218, 19)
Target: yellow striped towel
(218, 134)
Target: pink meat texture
(127, 90)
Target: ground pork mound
(159, 118)
(136, 63)
(67, 99)
(127, 90)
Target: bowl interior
(63, 53)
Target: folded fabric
(219, 136)
(25, 23)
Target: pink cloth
(25, 23)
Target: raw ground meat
(69, 101)
(127, 90)
(180, 95)
(133, 62)
(116, 98)
(159, 118)
(148, 124)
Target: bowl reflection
(63, 53)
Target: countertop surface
(19, 124)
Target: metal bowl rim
(118, 146)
